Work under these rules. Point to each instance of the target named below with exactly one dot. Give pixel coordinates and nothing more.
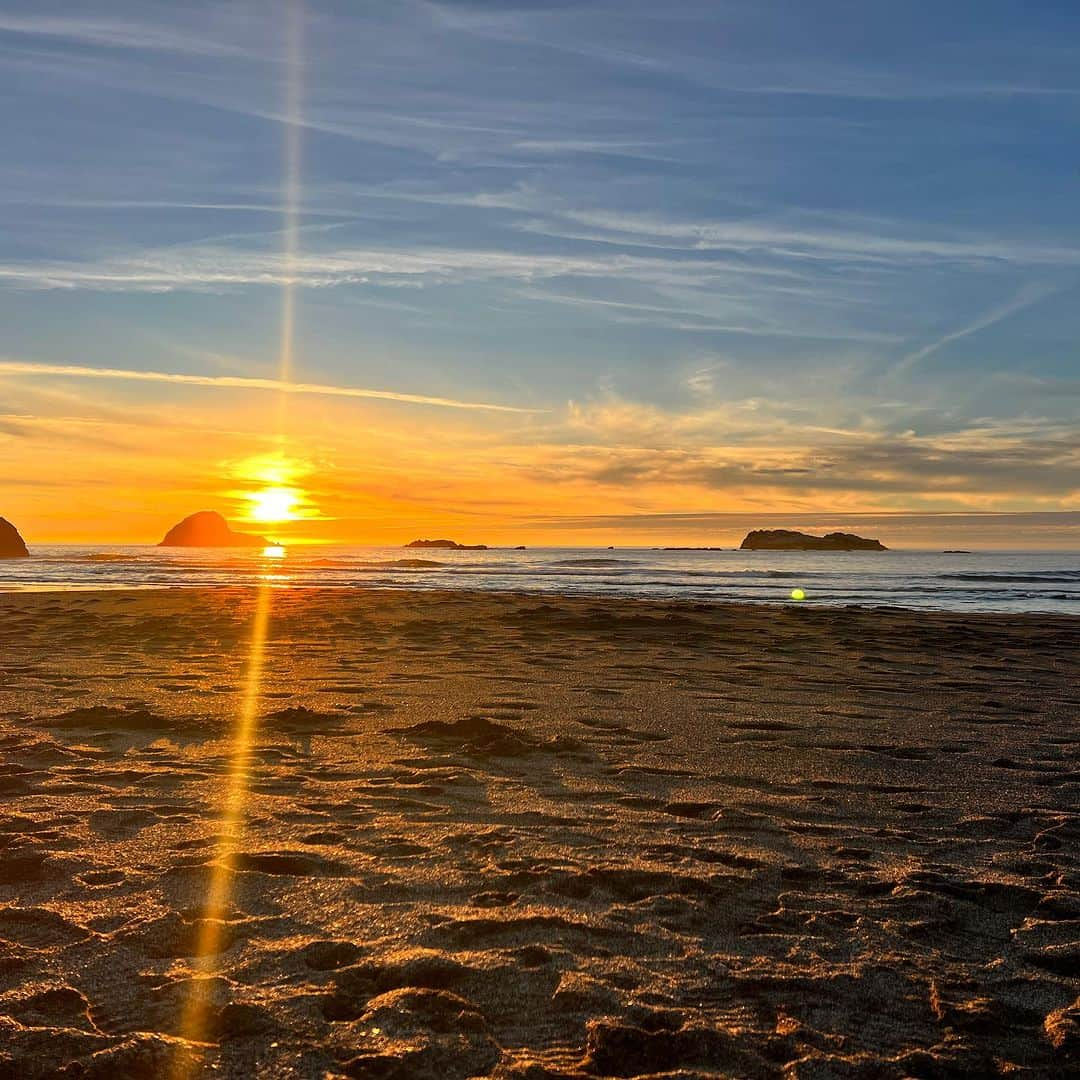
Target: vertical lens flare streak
(290, 197)
(211, 925)
(196, 1025)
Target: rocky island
(790, 540)
(12, 545)
(208, 528)
(446, 545)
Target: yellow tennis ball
(798, 594)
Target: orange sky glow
(108, 463)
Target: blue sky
(743, 252)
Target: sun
(273, 504)
(272, 489)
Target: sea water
(977, 581)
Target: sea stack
(12, 545)
(446, 545)
(790, 540)
(208, 528)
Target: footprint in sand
(39, 928)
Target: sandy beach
(445, 835)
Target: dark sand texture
(536, 838)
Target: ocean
(977, 581)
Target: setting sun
(273, 504)
(275, 494)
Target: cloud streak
(116, 34)
(237, 382)
(824, 244)
(970, 469)
(1029, 295)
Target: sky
(615, 271)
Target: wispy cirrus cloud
(211, 266)
(706, 294)
(640, 40)
(884, 244)
(698, 278)
(118, 33)
(216, 265)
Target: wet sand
(534, 838)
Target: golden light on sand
(194, 1021)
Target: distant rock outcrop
(790, 540)
(448, 545)
(208, 528)
(11, 543)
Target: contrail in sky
(240, 382)
(1028, 295)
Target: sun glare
(273, 504)
(272, 489)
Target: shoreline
(784, 603)
(526, 836)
